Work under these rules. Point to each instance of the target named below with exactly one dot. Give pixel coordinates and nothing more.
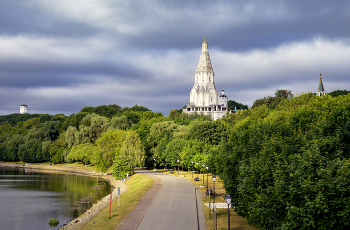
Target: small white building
(23, 108)
(204, 98)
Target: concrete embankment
(101, 204)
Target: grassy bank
(236, 222)
(138, 185)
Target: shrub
(121, 168)
(53, 222)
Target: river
(30, 198)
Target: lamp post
(203, 172)
(192, 169)
(228, 201)
(166, 169)
(207, 176)
(197, 168)
(214, 178)
(178, 168)
(154, 163)
(50, 160)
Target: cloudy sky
(61, 55)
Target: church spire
(320, 89)
(204, 64)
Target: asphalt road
(174, 206)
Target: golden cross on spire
(204, 38)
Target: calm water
(29, 198)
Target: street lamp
(166, 169)
(178, 168)
(214, 178)
(197, 168)
(154, 163)
(192, 169)
(228, 201)
(207, 177)
(203, 172)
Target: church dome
(222, 93)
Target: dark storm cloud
(59, 56)
(21, 17)
(23, 75)
(267, 24)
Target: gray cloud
(59, 56)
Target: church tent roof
(320, 85)
(204, 64)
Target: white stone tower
(223, 99)
(23, 109)
(204, 92)
(320, 89)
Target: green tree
(121, 122)
(108, 148)
(160, 135)
(133, 151)
(174, 113)
(83, 153)
(12, 146)
(57, 149)
(339, 92)
(121, 168)
(103, 110)
(50, 130)
(272, 102)
(211, 132)
(70, 137)
(95, 125)
(231, 104)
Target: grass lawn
(236, 222)
(138, 185)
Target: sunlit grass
(138, 184)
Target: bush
(53, 222)
(121, 168)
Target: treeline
(287, 167)
(285, 162)
(59, 138)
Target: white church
(204, 98)
(23, 108)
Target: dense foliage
(339, 92)
(231, 104)
(272, 102)
(285, 162)
(287, 168)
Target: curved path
(172, 203)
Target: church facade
(204, 98)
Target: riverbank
(88, 171)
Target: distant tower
(320, 89)
(223, 99)
(23, 109)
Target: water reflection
(29, 198)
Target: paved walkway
(170, 204)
